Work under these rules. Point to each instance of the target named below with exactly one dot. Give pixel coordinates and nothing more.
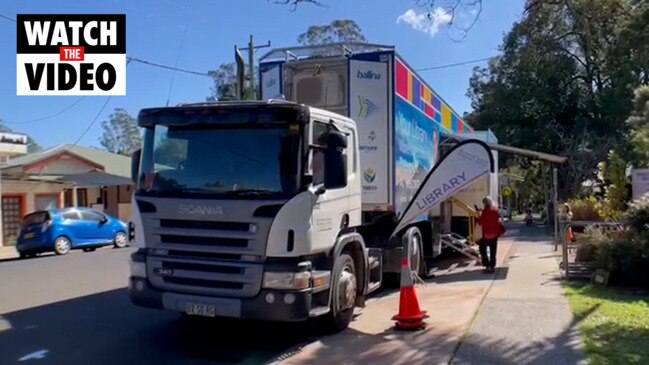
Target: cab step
(375, 265)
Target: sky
(200, 35)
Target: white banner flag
(467, 162)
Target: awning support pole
(555, 198)
(75, 202)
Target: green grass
(614, 325)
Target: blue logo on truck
(366, 107)
(369, 175)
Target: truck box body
(400, 118)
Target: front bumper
(268, 305)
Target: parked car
(62, 230)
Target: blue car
(62, 230)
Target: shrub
(627, 259)
(623, 253)
(588, 242)
(637, 216)
(586, 209)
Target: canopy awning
(520, 151)
(95, 179)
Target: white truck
(282, 210)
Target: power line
(7, 18)
(173, 75)
(197, 73)
(167, 67)
(49, 116)
(144, 62)
(455, 64)
(94, 120)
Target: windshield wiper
(203, 191)
(248, 192)
(177, 191)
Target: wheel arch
(353, 243)
(62, 234)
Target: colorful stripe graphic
(413, 90)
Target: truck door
(332, 206)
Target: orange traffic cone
(410, 316)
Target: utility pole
(251, 66)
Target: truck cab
(247, 210)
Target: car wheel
(62, 245)
(24, 255)
(120, 240)
(89, 249)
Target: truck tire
(416, 254)
(343, 294)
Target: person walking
(492, 229)
(566, 217)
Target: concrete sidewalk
(451, 299)
(8, 252)
(518, 316)
(524, 319)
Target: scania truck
(283, 208)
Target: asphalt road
(74, 309)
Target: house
(64, 176)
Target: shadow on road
(107, 329)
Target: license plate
(205, 310)
(29, 236)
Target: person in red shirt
(492, 229)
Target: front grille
(219, 226)
(203, 241)
(204, 277)
(202, 267)
(204, 255)
(212, 256)
(213, 284)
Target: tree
(225, 82)
(224, 78)
(639, 124)
(614, 175)
(121, 134)
(336, 31)
(561, 84)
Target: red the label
(71, 53)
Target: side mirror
(335, 176)
(135, 165)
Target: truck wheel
(343, 294)
(415, 256)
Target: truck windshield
(220, 161)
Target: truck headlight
(138, 269)
(287, 280)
